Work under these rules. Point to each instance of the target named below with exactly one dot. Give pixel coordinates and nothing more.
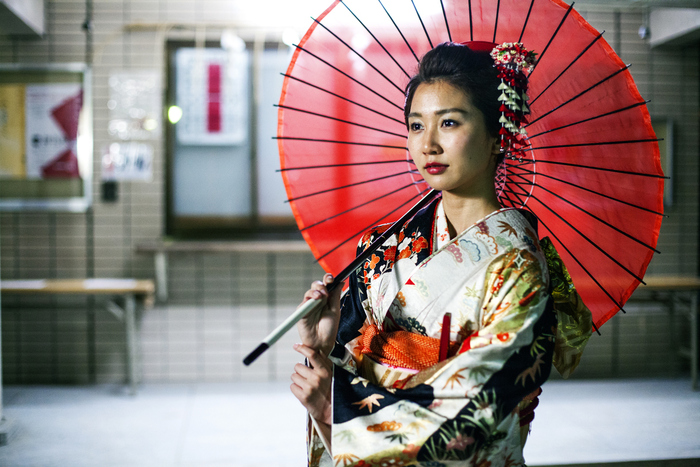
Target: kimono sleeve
(352, 307)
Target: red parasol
(590, 173)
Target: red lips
(433, 168)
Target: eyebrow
(440, 112)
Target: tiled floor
(255, 425)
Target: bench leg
(161, 266)
(130, 324)
(694, 340)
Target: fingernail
(296, 346)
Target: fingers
(318, 290)
(313, 294)
(334, 298)
(312, 385)
(313, 377)
(325, 281)
(327, 278)
(318, 362)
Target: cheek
(479, 147)
(413, 146)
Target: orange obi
(403, 348)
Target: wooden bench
(162, 249)
(128, 289)
(678, 290)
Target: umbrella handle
(310, 305)
(303, 310)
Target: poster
(52, 113)
(12, 131)
(212, 91)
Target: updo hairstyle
(468, 70)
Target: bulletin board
(45, 137)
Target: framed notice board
(45, 137)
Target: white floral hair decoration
(513, 61)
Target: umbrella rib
(587, 239)
(359, 55)
(588, 119)
(399, 30)
(586, 189)
(577, 260)
(567, 67)
(344, 98)
(579, 95)
(600, 143)
(495, 24)
(529, 183)
(351, 185)
(447, 26)
(339, 120)
(421, 23)
(371, 225)
(350, 77)
(569, 164)
(375, 38)
(316, 140)
(552, 38)
(520, 39)
(391, 230)
(345, 165)
(360, 205)
(505, 193)
(471, 23)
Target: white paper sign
(212, 91)
(127, 161)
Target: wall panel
(221, 305)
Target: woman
(381, 388)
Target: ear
(496, 147)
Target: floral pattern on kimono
(493, 280)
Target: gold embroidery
(574, 321)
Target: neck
(463, 212)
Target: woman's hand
(319, 328)
(312, 385)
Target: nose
(431, 144)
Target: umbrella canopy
(590, 171)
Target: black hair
(470, 71)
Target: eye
(449, 122)
(415, 126)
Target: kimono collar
(441, 234)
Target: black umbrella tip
(597, 330)
(255, 354)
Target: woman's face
(448, 141)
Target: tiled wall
(220, 305)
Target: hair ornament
(513, 61)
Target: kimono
(464, 410)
